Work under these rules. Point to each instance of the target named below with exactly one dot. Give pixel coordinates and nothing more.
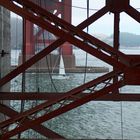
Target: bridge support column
(4, 51)
(66, 48)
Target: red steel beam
(62, 110)
(38, 128)
(64, 107)
(132, 76)
(30, 62)
(29, 39)
(116, 42)
(48, 42)
(117, 5)
(51, 96)
(116, 30)
(135, 60)
(67, 5)
(50, 5)
(76, 31)
(66, 15)
(44, 52)
(133, 13)
(121, 97)
(66, 95)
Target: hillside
(126, 39)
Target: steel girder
(78, 33)
(60, 105)
(123, 65)
(102, 51)
(59, 8)
(22, 12)
(38, 128)
(90, 86)
(51, 96)
(86, 47)
(133, 13)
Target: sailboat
(62, 73)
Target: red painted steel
(116, 42)
(132, 76)
(66, 49)
(66, 95)
(29, 39)
(63, 9)
(62, 110)
(124, 66)
(117, 5)
(75, 31)
(73, 92)
(57, 43)
(51, 96)
(135, 60)
(38, 128)
(133, 13)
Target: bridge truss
(126, 69)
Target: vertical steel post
(30, 49)
(66, 49)
(116, 42)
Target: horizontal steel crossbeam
(74, 92)
(44, 24)
(63, 109)
(75, 30)
(51, 96)
(98, 89)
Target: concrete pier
(4, 50)
(52, 61)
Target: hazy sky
(105, 24)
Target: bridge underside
(126, 70)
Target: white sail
(62, 67)
(62, 73)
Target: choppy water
(101, 120)
(92, 120)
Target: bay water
(94, 120)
